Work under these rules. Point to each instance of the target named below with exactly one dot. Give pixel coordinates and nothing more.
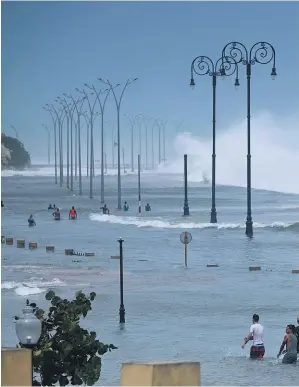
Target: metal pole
(164, 159)
(140, 143)
(153, 158)
(102, 157)
(159, 144)
(76, 151)
(213, 209)
(49, 147)
(186, 262)
(87, 150)
(106, 167)
(68, 152)
(132, 148)
(249, 226)
(79, 143)
(72, 159)
(146, 148)
(186, 205)
(91, 157)
(122, 311)
(118, 162)
(139, 187)
(113, 165)
(55, 151)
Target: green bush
(67, 353)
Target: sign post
(186, 238)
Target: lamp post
(102, 107)
(79, 113)
(263, 53)
(203, 65)
(118, 106)
(186, 205)
(15, 130)
(122, 310)
(146, 121)
(92, 117)
(49, 139)
(132, 123)
(47, 108)
(60, 118)
(153, 145)
(69, 118)
(87, 120)
(28, 330)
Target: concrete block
(50, 249)
(21, 243)
(295, 271)
(254, 268)
(32, 245)
(160, 374)
(3, 239)
(89, 254)
(212, 265)
(115, 257)
(69, 251)
(9, 241)
(16, 367)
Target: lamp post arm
(237, 51)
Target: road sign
(185, 237)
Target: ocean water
(172, 312)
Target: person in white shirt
(256, 334)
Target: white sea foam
(160, 223)
(33, 286)
(274, 149)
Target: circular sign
(185, 237)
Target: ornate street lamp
(28, 329)
(203, 65)
(263, 53)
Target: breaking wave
(31, 287)
(161, 223)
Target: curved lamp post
(47, 108)
(79, 113)
(132, 123)
(263, 53)
(102, 107)
(28, 330)
(153, 152)
(146, 121)
(87, 120)
(118, 106)
(92, 117)
(60, 118)
(49, 140)
(203, 65)
(68, 115)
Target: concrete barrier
(115, 257)
(254, 268)
(89, 254)
(212, 265)
(9, 241)
(32, 245)
(50, 249)
(295, 271)
(160, 374)
(16, 367)
(69, 251)
(21, 243)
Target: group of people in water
(126, 208)
(289, 346)
(73, 212)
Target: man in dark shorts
(256, 334)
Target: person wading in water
(256, 334)
(290, 342)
